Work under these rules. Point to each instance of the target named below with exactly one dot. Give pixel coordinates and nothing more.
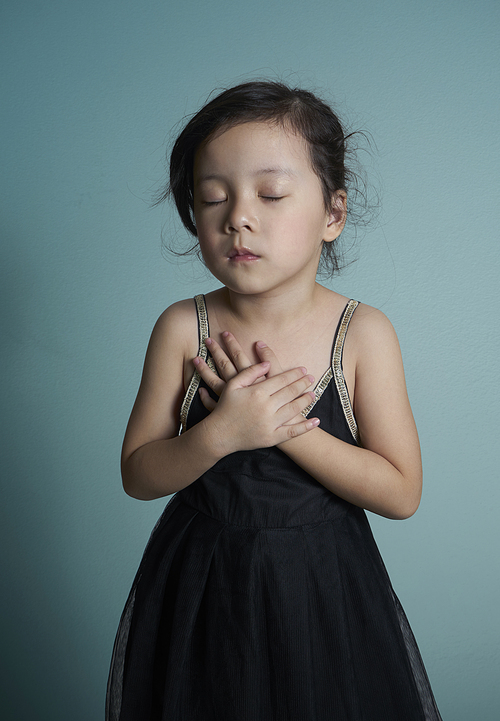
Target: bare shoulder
(371, 331)
(173, 341)
(370, 320)
(372, 356)
(156, 410)
(176, 331)
(176, 321)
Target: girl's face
(259, 209)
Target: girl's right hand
(253, 415)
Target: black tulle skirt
(229, 623)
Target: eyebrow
(276, 171)
(261, 171)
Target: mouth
(242, 254)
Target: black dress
(262, 596)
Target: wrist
(215, 438)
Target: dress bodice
(264, 487)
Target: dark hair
(296, 109)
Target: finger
(248, 376)
(211, 379)
(207, 399)
(298, 429)
(266, 354)
(284, 379)
(224, 364)
(293, 390)
(239, 358)
(291, 410)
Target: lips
(242, 254)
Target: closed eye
(272, 198)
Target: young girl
(261, 595)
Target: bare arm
(155, 460)
(384, 475)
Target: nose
(240, 217)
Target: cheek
(206, 233)
(206, 249)
(302, 226)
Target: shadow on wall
(43, 608)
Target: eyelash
(264, 197)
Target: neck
(278, 308)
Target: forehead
(255, 146)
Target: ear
(336, 216)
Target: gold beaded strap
(203, 333)
(335, 371)
(338, 373)
(319, 389)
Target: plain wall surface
(90, 93)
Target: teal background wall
(90, 92)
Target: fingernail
(265, 363)
(225, 334)
(311, 378)
(197, 361)
(313, 395)
(314, 422)
(260, 344)
(304, 370)
(208, 341)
